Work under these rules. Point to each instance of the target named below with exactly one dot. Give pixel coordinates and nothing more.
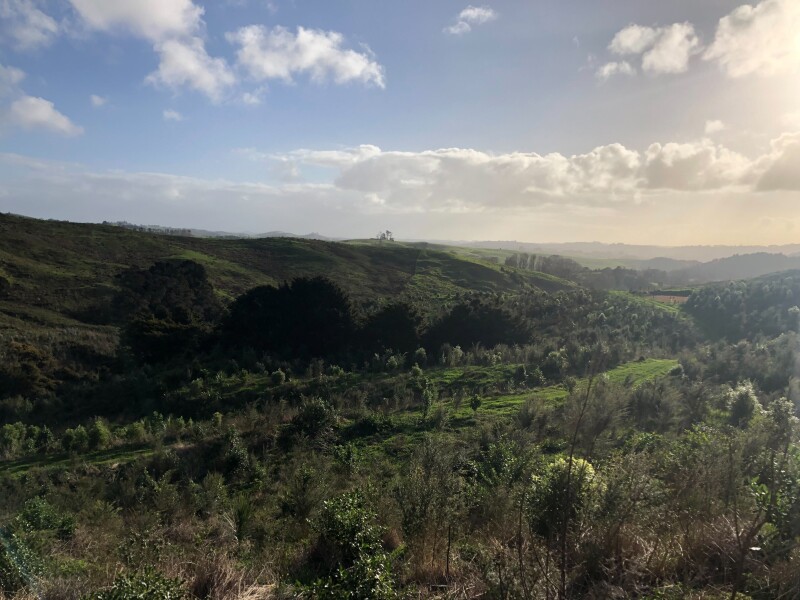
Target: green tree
(99, 435)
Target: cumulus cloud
(174, 28)
(714, 126)
(700, 165)
(761, 39)
(469, 17)
(608, 191)
(609, 70)
(456, 179)
(98, 101)
(155, 20)
(634, 39)
(29, 112)
(278, 53)
(172, 115)
(185, 63)
(672, 50)
(663, 49)
(782, 166)
(25, 26)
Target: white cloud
(714, 126)
(174, 28)
(278, 53)
(155, 20)
(700, 165)
(762, 39)
(459, 180)
(663, 49)
(672, 50)
(781, 168)
(25, 26)
(458, 28)
(98, 101)
(186, 63)
(608, 192)
(29, 112)
(469, 17)
(172, 115)
(611, 69)
(255, 97)
(634, 39)
(9, 78)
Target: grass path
(121, 454)
(632, 374)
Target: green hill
(59, 273)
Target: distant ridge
(204, 233)
(696, 253)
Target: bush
(278, 377)
(559, 494)
(743, 404)
(39, 515)
(351, 539)
(315, 418)
(421, 357)
(16, 563)
(335, 371)
(75, 440)
(147, 585)
(99, 435)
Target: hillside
(739, 266)
(59, 269)
(177, 403)
(626, 252)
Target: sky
(634, 121)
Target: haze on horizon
(664, 123)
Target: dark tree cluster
(767, 307)
(167, 309)
(303, 319)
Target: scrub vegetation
(284, 418)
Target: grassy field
(630, 374)
(649, 301)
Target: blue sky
(611, 120)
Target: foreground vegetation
(178, 430)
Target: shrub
(350, 537)
(335, 371)
(17, 562)
(559, 495)
(147, 585)
(99, 435)
(75, 440)
(278, 377)
(475, 403)
(314, 418)
(421, 357)
(38, 514)
(743, 404)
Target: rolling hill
(51, 270)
